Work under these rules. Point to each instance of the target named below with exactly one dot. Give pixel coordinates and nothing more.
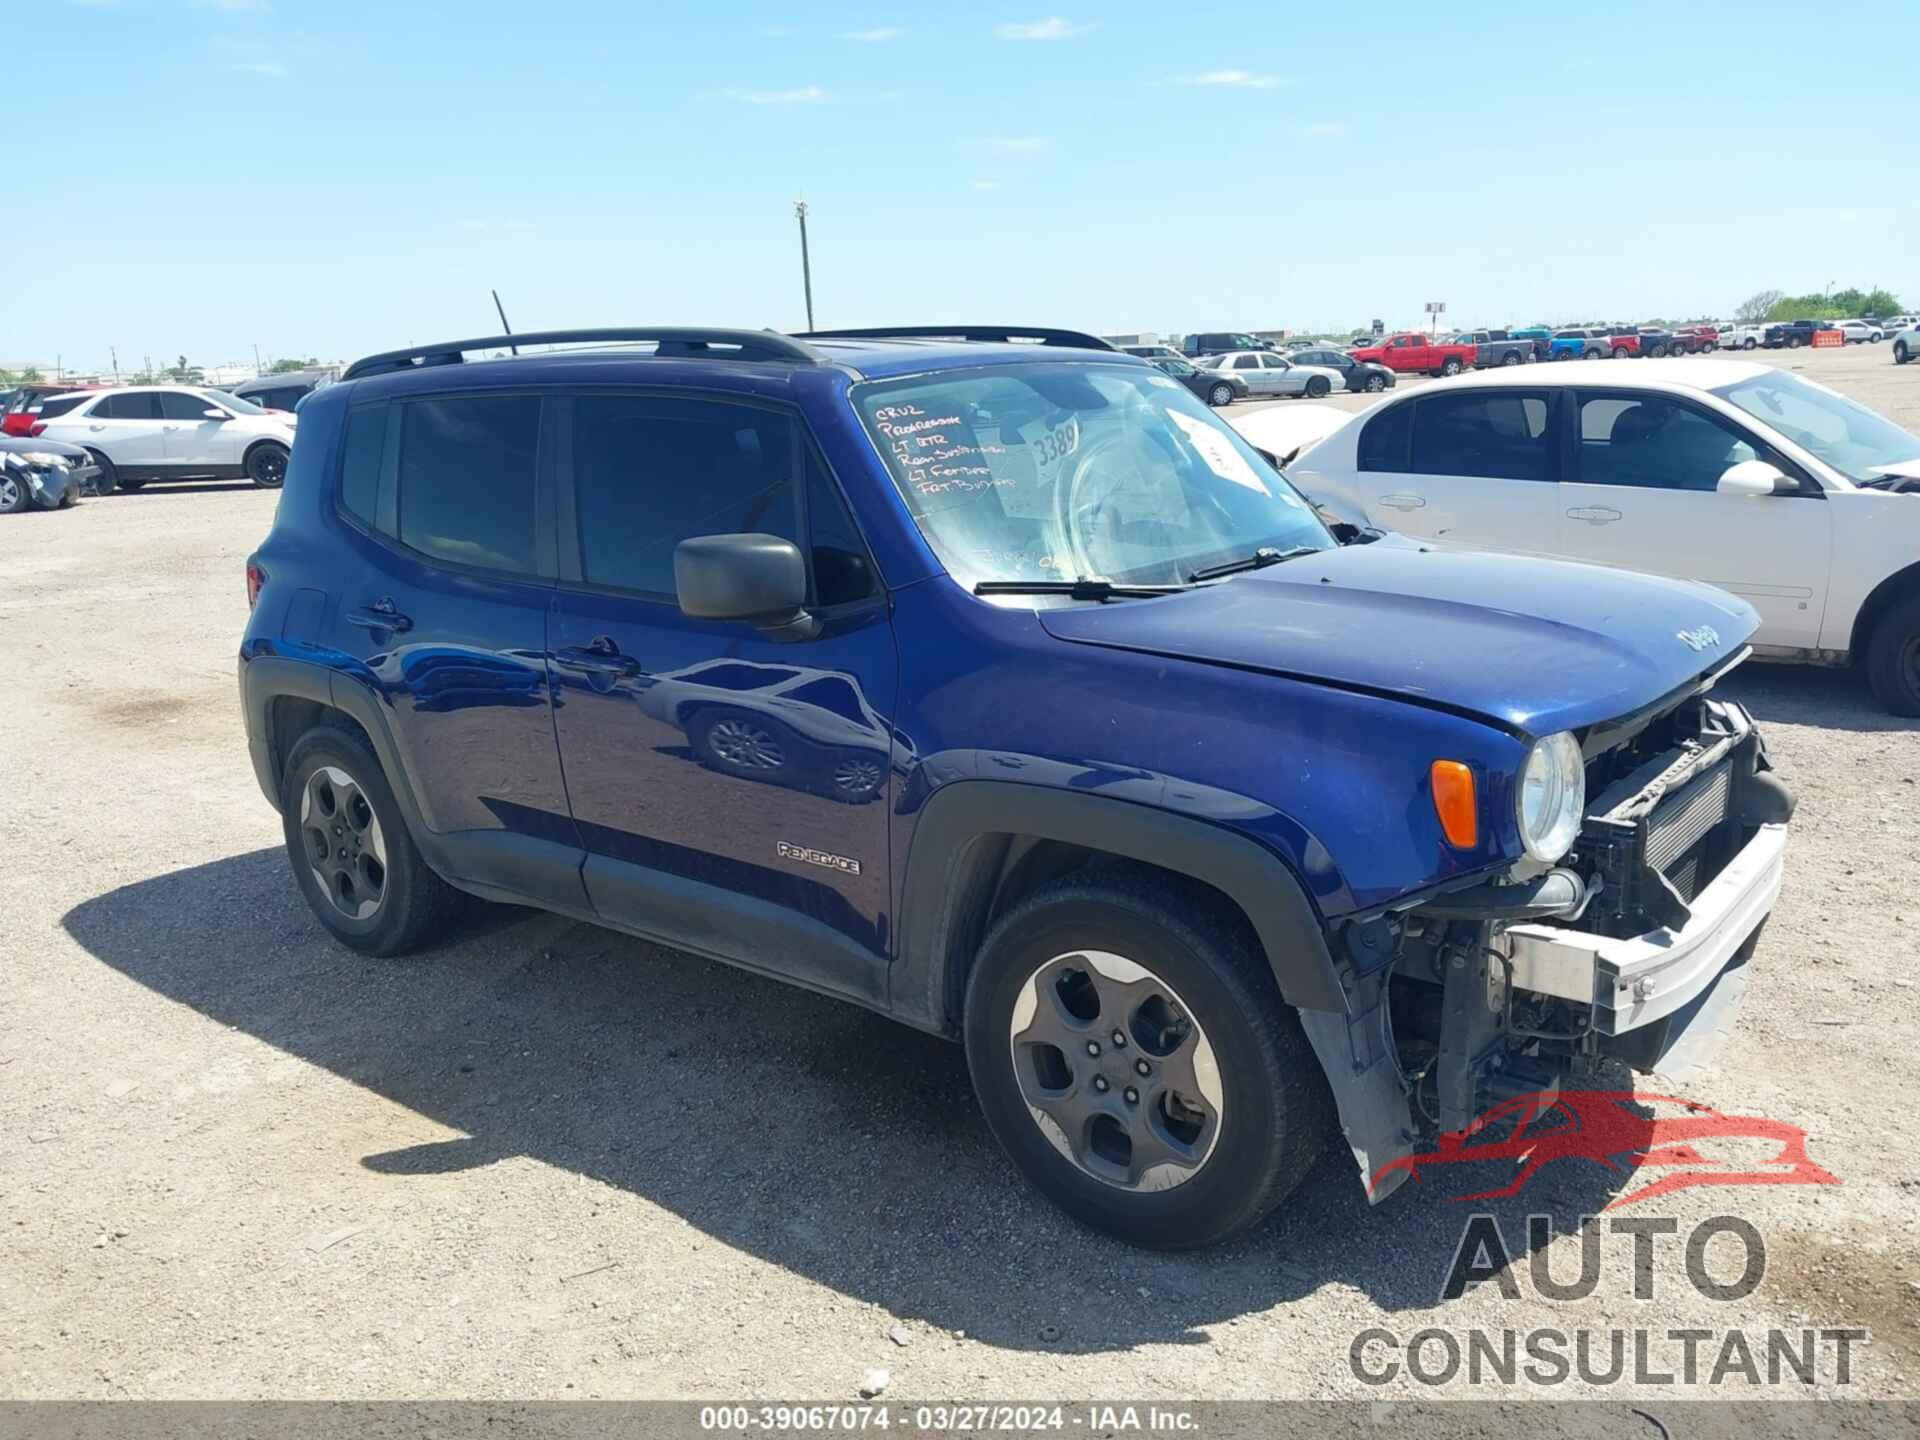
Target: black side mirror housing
(760, 579)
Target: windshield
(1072, 471)
(235, 403)
(1849, 437)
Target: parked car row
(134, 434)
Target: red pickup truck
(1413, 353)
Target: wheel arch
(1897, 587)
(979, 846)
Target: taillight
(256, 577)
(39, 427)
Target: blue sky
(333, 177)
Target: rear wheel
(1900, 354)
(1893, 659)
(1602, 354)
(1450, 366)
(1133, 1056)
(1748, 343)
(352, 854)
(1220, 395)
(267, 465)
(1512, 357)
(109, 477)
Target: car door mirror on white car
(216, 414)
(1754, 477)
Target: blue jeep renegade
(983, 678)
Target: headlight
(42, 459)
(1551, 797)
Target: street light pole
(806, 261)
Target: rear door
(1470, 469)
(442, 605)
(126, 427)
(1642, 472)
(731, 788)
(1249, 369)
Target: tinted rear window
(365, 447)
(466, 479)
(1501, 436)
(1383, 442)
(48, 409)
(142, 406)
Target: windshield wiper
(1074, 589)
(1266, 555)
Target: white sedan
(1906, 345)
(1269, 374)
(173, 432)
(1860, 332)
(1795, 498)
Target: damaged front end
(39, 480)
(1632, 947)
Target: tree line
(1845, 304)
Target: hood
(21, 445)
(1532, 645)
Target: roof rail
(680, 341)
(998, 333)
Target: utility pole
(256, 358)
(114, 351)
(806, 262)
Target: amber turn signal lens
(1453, 803)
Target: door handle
(599, 656)
(1594, 514)
(96, 428)
(1403, 502)
(169, 427)
(381, 615)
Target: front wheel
(352, 854)
(1134, 1057)
(1893, 659)
(1900, 355)
(1220, 395)
(267, 465)
(1449, 367)
(1376, 383)
(1318, 387)
(14, 496)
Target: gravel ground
(550, 1161)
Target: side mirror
(216, 414)
(1754, 477)
(760, 579)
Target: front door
(194, 439)
(731, 786)
(1641, 494)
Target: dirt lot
(551, 1161)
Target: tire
(1256, 1134)
(1602, 354)
(1900, 355)
(1512, 357)
(1449, 367)
(267, 465)
(739, 742)
(1376, 383)
(1564, 355)
(1893, 658)
(14, 495)
(1619, 352)
(1794, 342)
(1318, 387)
(1748, 343)
(1710, 346)
(109, 477)
(1220, 395)
(395, 905)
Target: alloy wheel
(13, 493)
(346, 849)
(1115, 1071)
(745, 745)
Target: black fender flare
(954, 861)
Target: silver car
(1267, 374)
